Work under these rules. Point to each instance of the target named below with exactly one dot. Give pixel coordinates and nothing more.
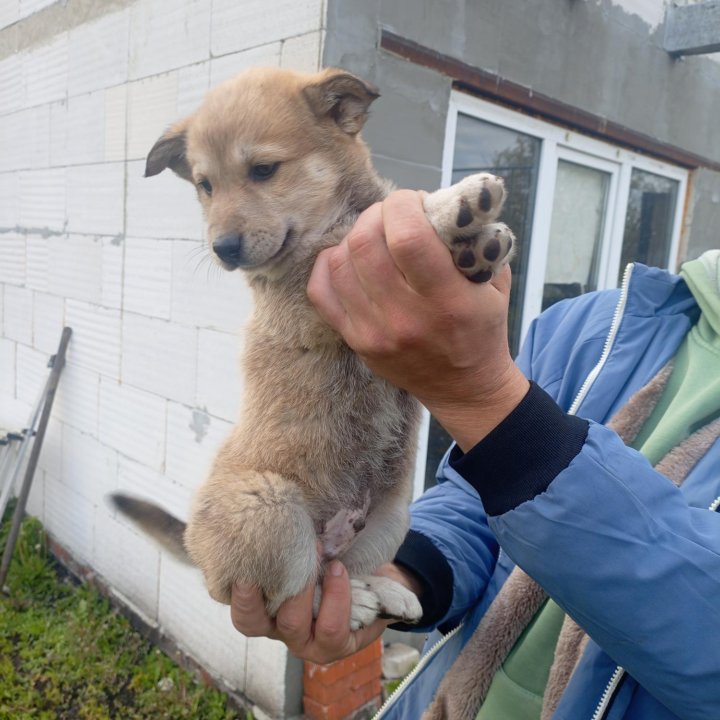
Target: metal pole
(34, 455)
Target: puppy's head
(274, 155)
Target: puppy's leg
(464, 215)
(374, 596)
(252, 526)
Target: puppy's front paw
(463, 216)
(374, 597)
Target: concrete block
(10, 206)
(88, 467)
(32, 373)
(115, 122)
(204, 295)
(36, 499)
(303, 52)
(167, 34)
(147, 281)
(133, 423)
(11, 89)
(193, 438)
(266, 674)
(163, 206)
(78, 397)
(193, 84)
(199, 624)
(159, 357)
(238, 26)
(76, 262)
(98, 53)
(142, 481)
(7, 369)
(112, 272)
(42, 199)
(398, 660)
(127, 559)
(95, 203)
(58, 133)
(17, 314)
(96, 337)
(48, 320)
(45, 71)
(228, 66)
(28, 7)
(50, 458)
(152, 108)
(69, 518)
(37, 262)
(25, 139)
(9, 12)
(12, 259)
(78, 137)
(219, 381)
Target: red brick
(329, 674)
(327, 694)
(338, 690)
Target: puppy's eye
(264, 171)
(205, 185)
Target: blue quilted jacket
(634, 560)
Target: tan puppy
(324, 450)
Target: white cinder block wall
(151, 384)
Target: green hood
(703, 279)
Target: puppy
(323, 453)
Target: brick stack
(348, 688)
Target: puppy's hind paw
(379, 597)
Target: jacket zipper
(607, 696)
(424, 660)
(585, 388)
(618, 315)
(609, 341)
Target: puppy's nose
(228, 248)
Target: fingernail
(336, 568)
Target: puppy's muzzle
(229, 248)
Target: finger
(247, 611)
(294, 620)
(416, 249)
(322, 295)
(332, 626)
(374, 267)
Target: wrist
(401, 575)
(470, 417)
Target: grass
(66, 654)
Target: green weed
(65, 653)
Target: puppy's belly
(337, 534)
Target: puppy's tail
(159, 524)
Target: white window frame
(559, 143)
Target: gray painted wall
(593, 55)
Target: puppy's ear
(343, 98)
(169, 152)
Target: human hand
(393, 292)
(321, 640)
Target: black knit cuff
(523, 454)
(429, 565)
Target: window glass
(649, 220)
(576, 232)
(481, 146)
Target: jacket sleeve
(450, 548)
(620, 549)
